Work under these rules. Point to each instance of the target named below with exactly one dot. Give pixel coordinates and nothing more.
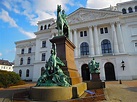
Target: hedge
(9, 79)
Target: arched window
(106, 46)
(48, 26)
(28, 60)
(20, 73)
(22, 51)
(41, 28)
(135, 8)
(84, 48)
(130, 10)
(21, 61)
(124, 11)
(42, 70)
(29, 50)
(45, 27)
(27, 73)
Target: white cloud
(7, 4)
(36, 10)
(4, 15)
(102, 3)
(0, 54)
(29, 34)
(45, 9)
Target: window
(21, 61)
(43, 44)
(135, 44)
(106, 30)
(20, 73)
(101, 31)
(124, 11)
(27, 73)
(84, 48)
(42, 70)
(29, 50)
(83, 33)
(22, 51)
(43, 57)
(41, 28)
(48, 26)
(45, 27)
(28, 60)
(130, 10)
(135, 8)
(106, 46)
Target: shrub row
(9, 79)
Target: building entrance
(109, 71)
(85, 72)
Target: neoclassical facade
(109, 35)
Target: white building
(6, 65)
(109, 35)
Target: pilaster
(76, 43)
(114, 39)
(97, 49)
(120, 38)
(91, 41)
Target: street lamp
(123, 64)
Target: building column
(97, 49)
(75, 43)
(91, 41)
(120, 38)
(114, 39)
(70, 36)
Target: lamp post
(123, 65)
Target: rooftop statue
(62, 24)
(53, 75)
(93, 66)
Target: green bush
(9, 79)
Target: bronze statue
(62, 24)
(93, 66)
(53, 75)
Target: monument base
(95, 84)
(95, 76)
(57, 93)
(65, 51)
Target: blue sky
(18, 18)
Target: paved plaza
(125, 92)
(114, 91)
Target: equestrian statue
(62, 24)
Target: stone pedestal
(95, 83)
(50, 94)
(95, 76)
(65, 51)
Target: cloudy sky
(18, 18)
